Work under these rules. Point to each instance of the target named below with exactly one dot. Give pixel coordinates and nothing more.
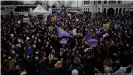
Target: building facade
(18, 9)
(115, 7)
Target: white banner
(26, 20)
(74, 31)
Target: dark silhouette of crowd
(34, 48)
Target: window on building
(88, 2)
(94, 2)
(98, 8)
(116, 10)
(114, 2)
(120, 10)
(104, 10)
(99, 2)
(88, 9)
(11, 7)
(111, 2)
(119, 2)
(124, 9)
(84, 2)
(2, 8)
(84, 9)
(7, 8)
(105, 2)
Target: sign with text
(105, 27)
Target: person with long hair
(108, 65)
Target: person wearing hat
(58, 64)
(77, 65)
(123, 69)
(75, 72)
(59, 69)
(108, 65)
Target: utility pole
(96, 5)
(77, 3)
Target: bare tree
(65, 4)
(38, 2)
(46, 3)
(12, 3)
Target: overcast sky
(54, 1)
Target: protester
(74, 44)
(131, 69)
(108, 65)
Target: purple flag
(92, 41)
(63, 41)
(99, 28)
(29, 50)
(88, 36)
(123, 14)
(58, 20)
(98, 33)
(62, 33)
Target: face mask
(4, 55)
(47, 43)
(37, 34)
(36, 38)
(22, 42)
(82, 46)
(4, 38)
(39, 40)
(12, 35)
(37, 52)
(19, 46)
(27, 38)
(16, 55)
(12, 51)
(34, 41)
(34, 45)
(51, 47)
(127, 45)
(33, 36)
(19, 40)
(36, 58)
(28, 57)
(27, 31)
(125, 31)
(9, 57)
(44, 36)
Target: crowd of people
(34, 48)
